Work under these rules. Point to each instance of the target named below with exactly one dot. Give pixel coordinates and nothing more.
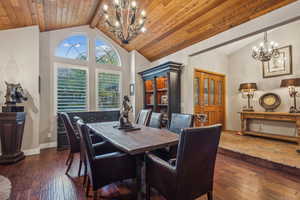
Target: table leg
(140, 167)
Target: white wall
(183, 56)
(138, 64)
(49, 41)
(243, 68)
(19, 62)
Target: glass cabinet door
(196, 91)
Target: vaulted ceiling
(171, 25)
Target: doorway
(209, 97)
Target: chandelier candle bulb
(133, 4)
(105, 7)
(143, 13)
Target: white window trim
(71, 66)
(98, 70)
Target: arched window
(106, 54)
(74, 47)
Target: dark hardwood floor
(43, 177)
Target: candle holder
(291, 84)
(247, 90)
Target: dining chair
(178, 122)
(192, 174)
(143, 117)
(74, 140)
(106, 168)
(155, 120)
(100, 148)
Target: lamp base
(294, 110)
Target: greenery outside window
(71, 88)
(108, 90)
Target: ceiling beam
(97, 15)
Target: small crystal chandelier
(266, 50)
(123, 20)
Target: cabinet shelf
(166, 105)
(162, 90)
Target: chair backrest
(143, 117)
(180, 121)
(73, 140)
(155, 120)
(86, 141)
(196, 160)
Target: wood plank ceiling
(171, 25)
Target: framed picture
(131, 89)
(279, 66)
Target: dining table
(136, 142)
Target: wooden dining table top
(135, 142)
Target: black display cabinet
(162, 89)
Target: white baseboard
(48, 145)
(30, 152)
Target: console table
(273, 116)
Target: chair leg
(80, 165)
(210, 195)
(68, 159)
(84, 175)
(87, 187)
(70, 163)
(148, 192)
(95, 195)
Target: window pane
(108, 91)
(71, 89)
(220, 95)
(105, 54)
(197, 90)
(74, 47)
(206, 91)
(212, 92)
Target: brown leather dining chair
(155, 120)
(106, 168)
(143, 117)
(193, 172)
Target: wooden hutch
(162, 89)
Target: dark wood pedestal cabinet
(11, 135)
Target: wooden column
(11, 136)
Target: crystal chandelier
(266, 50)
(123, 20)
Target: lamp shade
(290, 82)
(247, 86)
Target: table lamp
(248, 90)
(292, 83)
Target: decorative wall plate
(270, 101)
